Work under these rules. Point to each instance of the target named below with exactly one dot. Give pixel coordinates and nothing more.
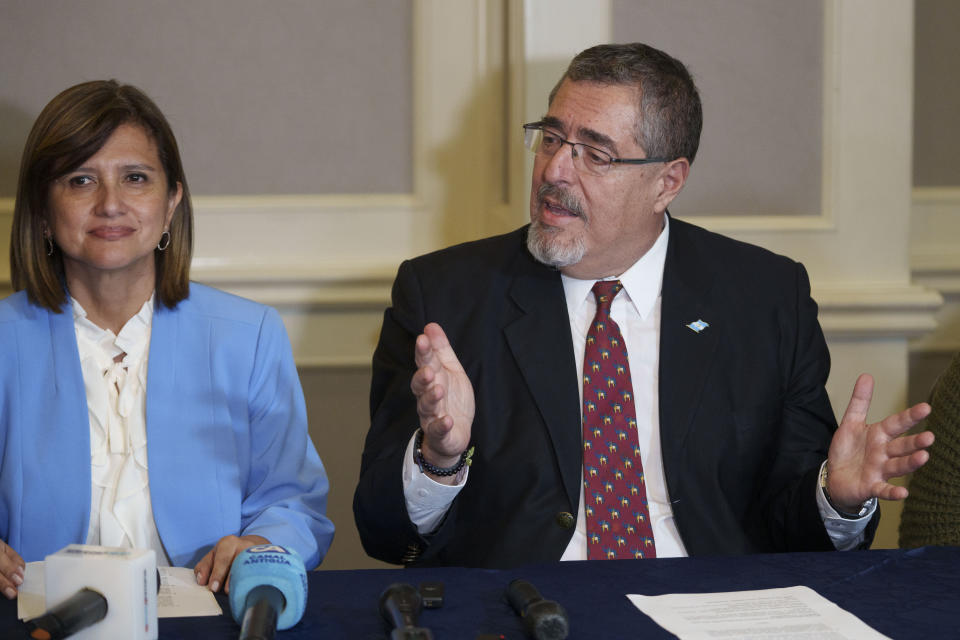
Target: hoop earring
(49, 245)
(163, 245)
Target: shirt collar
(642, 281)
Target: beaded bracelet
(466, 458)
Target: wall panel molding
(870, 310)
(935, 262)
(337, 236)
(316, 293)
(935, 237)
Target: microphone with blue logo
(268, 590)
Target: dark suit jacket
(744, 417)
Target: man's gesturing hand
(445, 399)
(863, 457)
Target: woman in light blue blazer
(136, 408)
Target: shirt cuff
(427, 500)
(845, 533)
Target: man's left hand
(214, 568)
(864, 457)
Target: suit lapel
(192, 475)
(685, 354)
(65, 355)
(66, 430)
(162, 417)
(539, 338)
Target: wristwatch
(865, 508)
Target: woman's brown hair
(69, 130)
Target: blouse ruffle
(116, 390)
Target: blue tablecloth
(902, 594)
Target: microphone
(98, 592)
(542, 619)
(82, 609)
(268, 590)
(400, 605)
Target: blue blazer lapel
(54, 396)
(162, 409)
(66, 358)
(192, 456)
(167, 449)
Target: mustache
(562, 197)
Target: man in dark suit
(727, 441)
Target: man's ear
(672, 178)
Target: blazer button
(565, 519)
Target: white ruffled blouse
(121, 514)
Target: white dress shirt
(121, 514)
(636, 309)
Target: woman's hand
(11, 570)
(214, 568)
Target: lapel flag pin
(697, 326)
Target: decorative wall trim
(343, 203)
(747, 224)
(935, 238)
(935, 262)
(876, 310)
(303, 280)
(946, 341)
(949, 196)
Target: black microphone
(79, 611)
(260, 613)
(400, 605)
(542, 619)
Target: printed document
(791, 613)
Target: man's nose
(561, 166)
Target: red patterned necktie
(614, 492)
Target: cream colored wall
(479, 69)
(761, 83)
(295, 96)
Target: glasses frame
(578, 147)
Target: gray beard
(545, 246)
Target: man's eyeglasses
(539, 139)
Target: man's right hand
(445, 400)
(11, 570)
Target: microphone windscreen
(542, 619)
(546, 620)
(269, 565)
